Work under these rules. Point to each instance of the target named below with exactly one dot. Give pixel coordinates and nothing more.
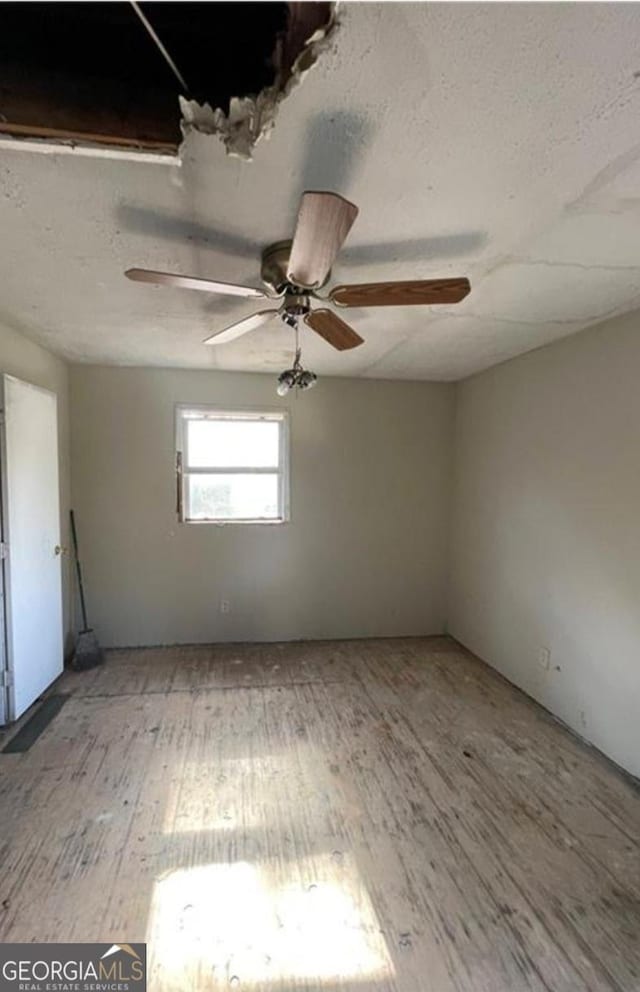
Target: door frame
(6, 671)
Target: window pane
(233, 497)
(233, 443)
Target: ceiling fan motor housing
(275, 264)
(296, 303)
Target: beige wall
(546, 529)
(363, 555)
(545, 542)
(28, 361)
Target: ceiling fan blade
(324, 220)
(426, 292)
(194, 282)
(333, 329)
(241, 327)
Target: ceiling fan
(294, 271)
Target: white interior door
(31, 538)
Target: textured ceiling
(497, 141)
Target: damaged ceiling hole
(94, 72)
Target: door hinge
(4, 550)
(6, 679)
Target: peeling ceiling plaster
(251, 118)
(498, 141)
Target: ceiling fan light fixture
(306, 380)
(296, 377)
(286, 381)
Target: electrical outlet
(544, 659)
(225, 606)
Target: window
(232, 466)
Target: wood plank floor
(363, 816)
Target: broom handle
(78, 570)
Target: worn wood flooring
(363, 816)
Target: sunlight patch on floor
(241, 925)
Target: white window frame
(190, 411)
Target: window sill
(226, 523)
